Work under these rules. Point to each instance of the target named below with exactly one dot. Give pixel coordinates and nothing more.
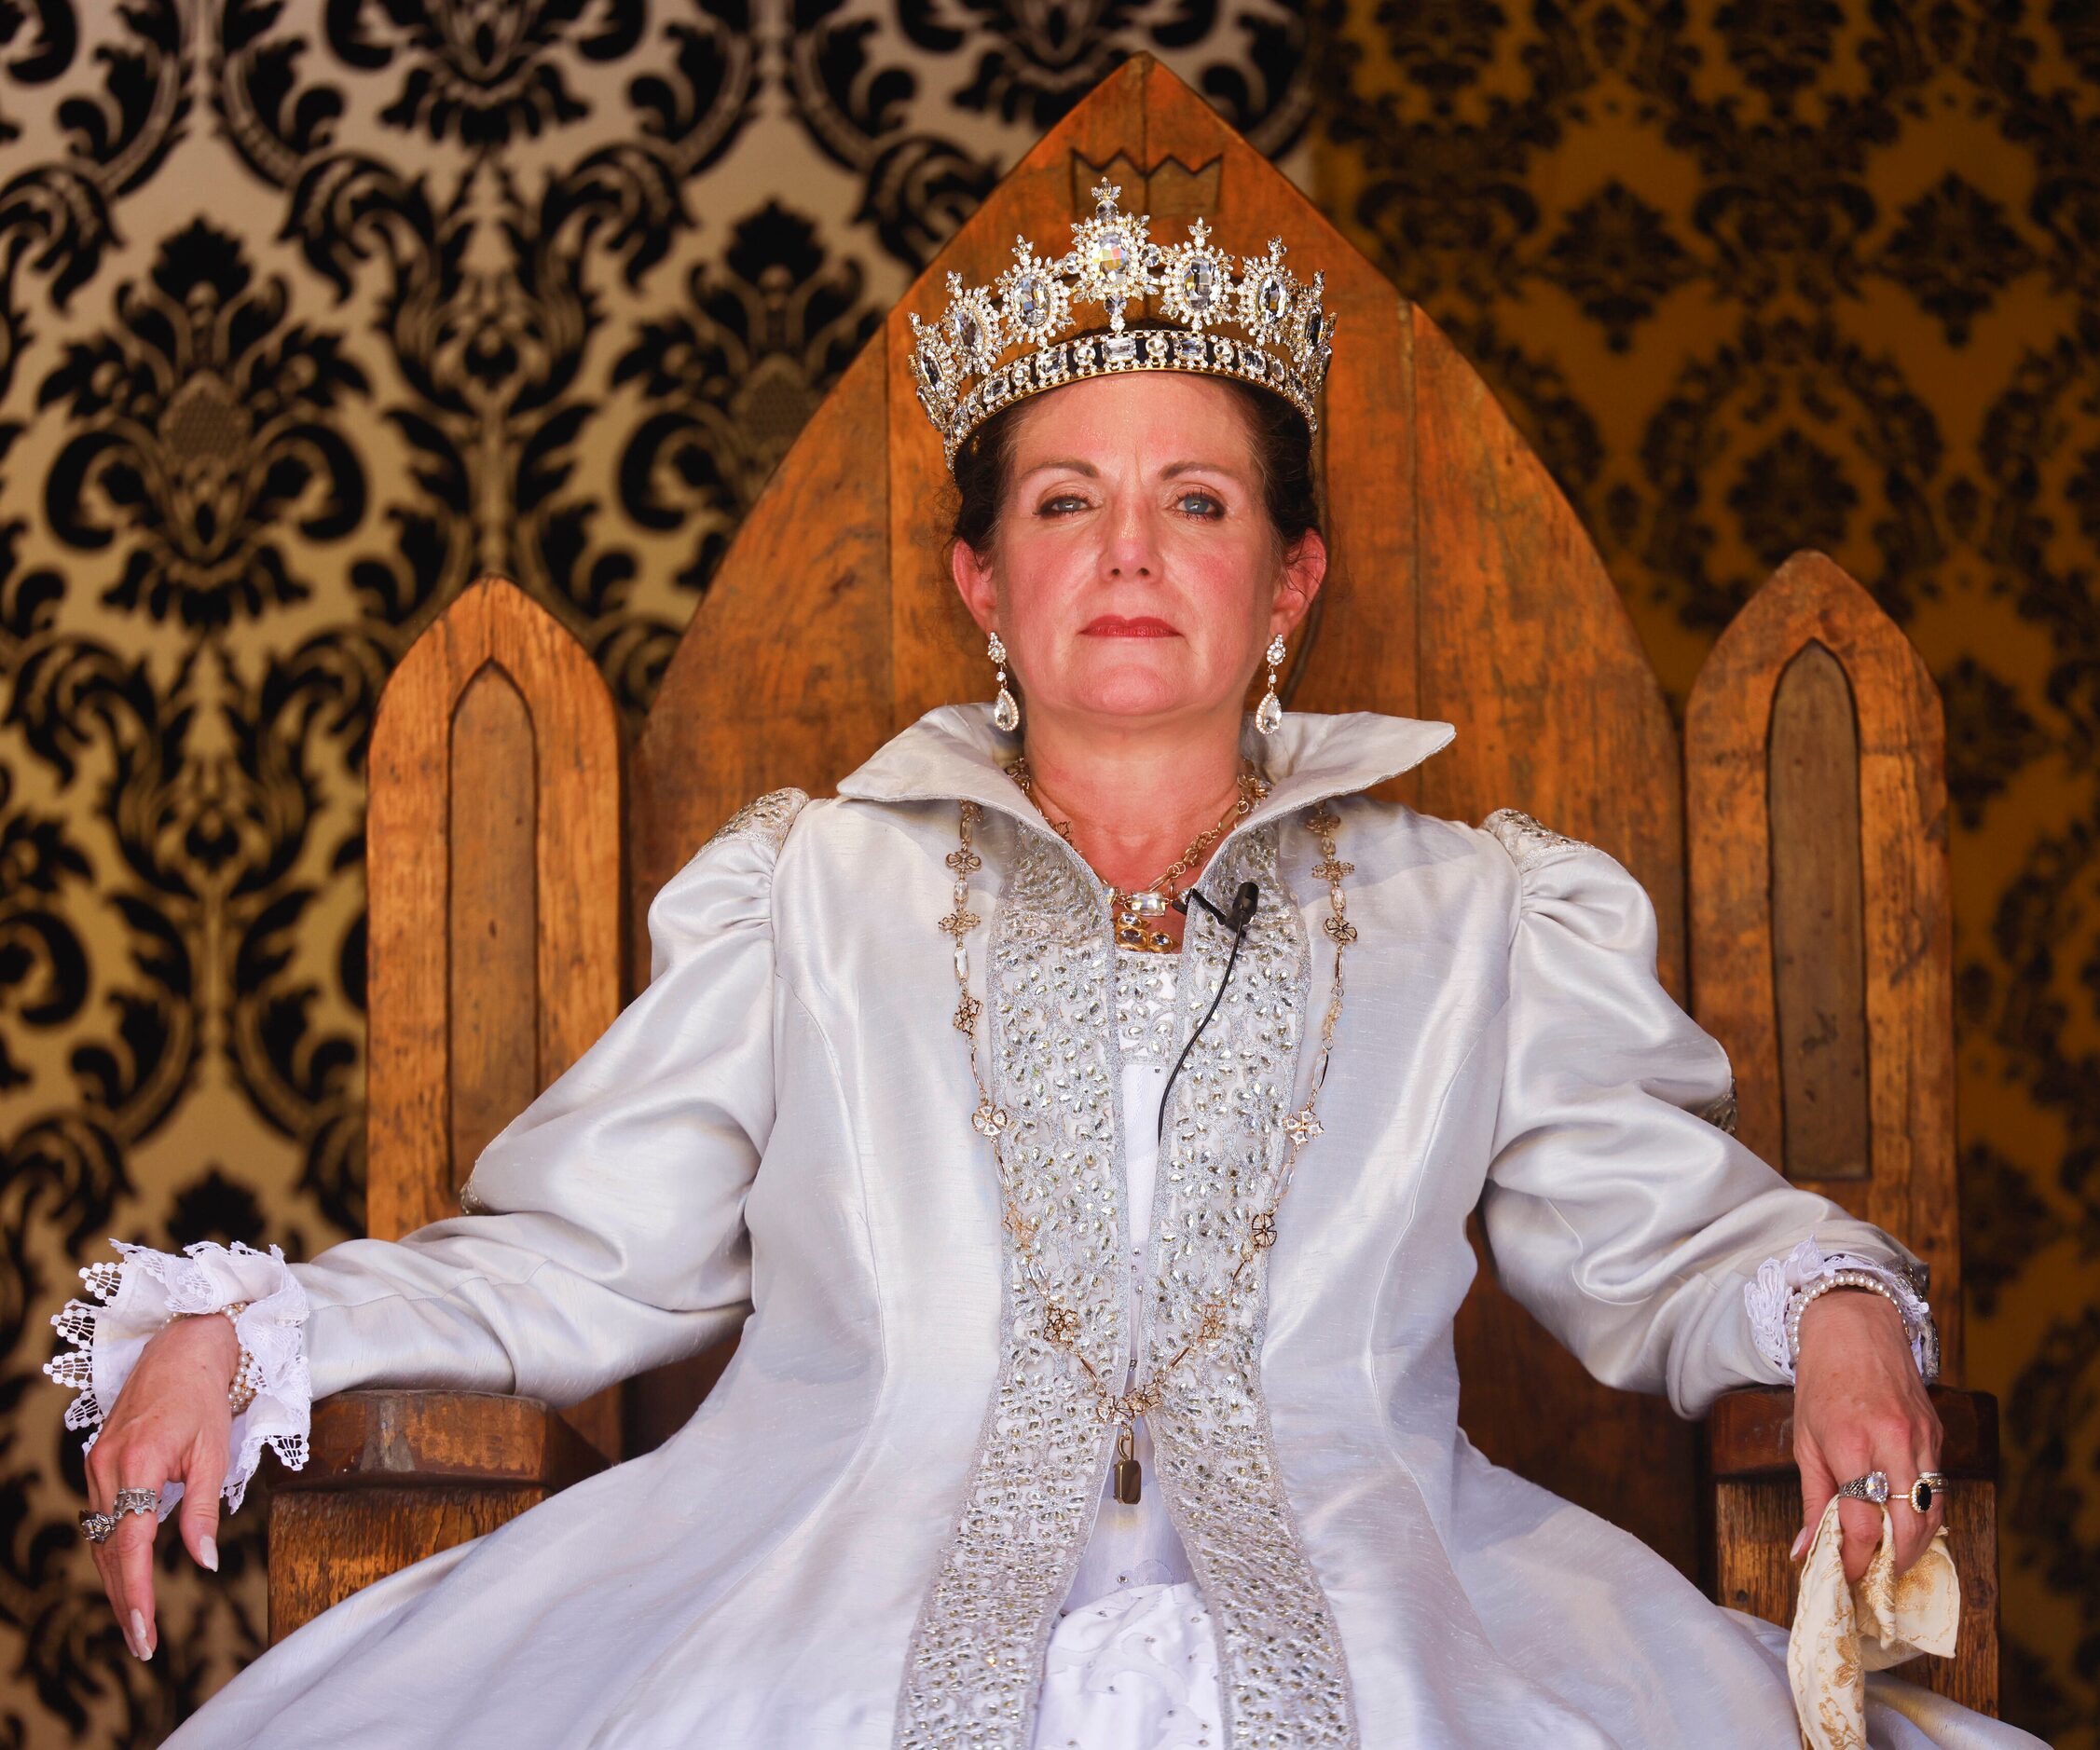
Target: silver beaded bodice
(1064, 1008)
(1147, 988)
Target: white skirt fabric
(1135, 1671)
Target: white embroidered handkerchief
(1842, 1631)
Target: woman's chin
(1134, 697)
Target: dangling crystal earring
(1268, 714)
(1006, 713)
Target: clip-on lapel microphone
(1242, 914)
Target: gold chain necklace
(1128, 907)
(1061, 1323)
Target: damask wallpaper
(310, 312)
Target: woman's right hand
(170, 1421)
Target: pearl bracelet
(1837, 1279)
(248, 1374)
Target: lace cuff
(141, 1292)
(1781, 1283)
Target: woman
(1096, 1257)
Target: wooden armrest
(1749, 1433)
(394, 1476)
(399, 1439)
(1757, 1513)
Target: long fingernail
(1800, 1543)
(139, 1644)
(207, 1552)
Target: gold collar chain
(1130, 908)
(1061, 1323)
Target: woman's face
(1135, 574)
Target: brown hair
(1282, 452)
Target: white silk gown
(889, 1528)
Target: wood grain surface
(1897, 957)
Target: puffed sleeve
(602, 1232)
(1619, 1209)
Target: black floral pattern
(1780, 47)
(1954, 251)
(1792, 493)
(1618, 259)
(480, 71)
(206, 435)
(733, 376)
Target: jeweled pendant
(1006, 713)
(1131, 931)
(1130, 1483)
(1268, 714)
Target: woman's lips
(1115, 626)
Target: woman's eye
(1206, 503)
(1060, 505)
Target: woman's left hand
(1858, 1405)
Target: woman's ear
(1305, 569)
(972, 573)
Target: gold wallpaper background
(309, 313)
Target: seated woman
(1079, 1114)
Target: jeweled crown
(999, 343)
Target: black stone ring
(1928, 1487)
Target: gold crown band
(998, 344)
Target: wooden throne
(1794, 843)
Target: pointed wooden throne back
(1462, 587)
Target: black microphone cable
(1242, 914)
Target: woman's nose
(1132, 547)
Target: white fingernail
(1800, 1543)
(138, 1635)
(208, 1552)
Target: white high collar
(957, 750)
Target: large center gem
(1199, 282)
(1110, 256)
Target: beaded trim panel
(1282, 1677)
(1147, 1005)
(971, 1670)
(975, 1652)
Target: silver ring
(1928, 1487)
(96, 1526)
(135, 1501)
(1872, 1487)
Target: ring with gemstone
(1872, 1487)
(135, 1501)
(96, 1526)
(1928, 1487)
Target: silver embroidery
(1062, 1007)
(1148, 1012)
(767, 817)
(975, 1652)
(1282, 1673)
(1523, 837)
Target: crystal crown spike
(1246, 316)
